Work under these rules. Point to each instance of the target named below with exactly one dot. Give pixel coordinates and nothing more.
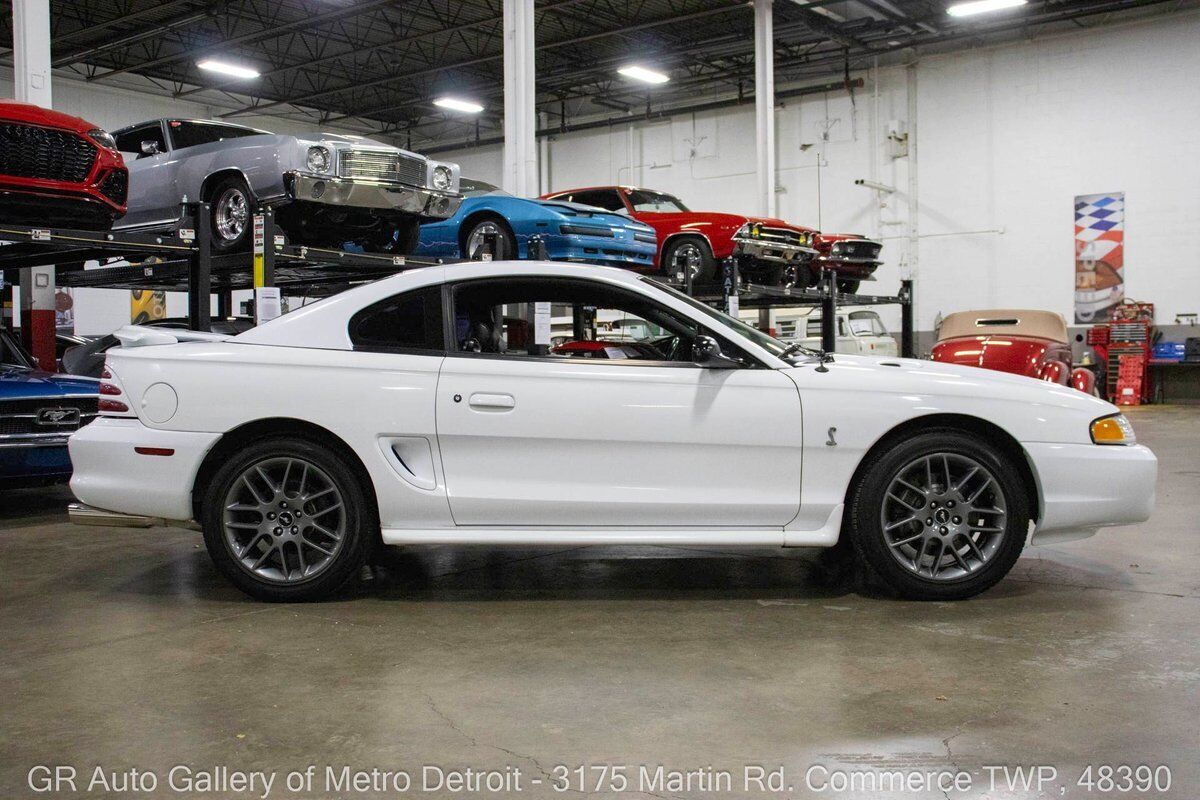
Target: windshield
(472, 188)
(866, 323)
(768, 343)
(643, 200)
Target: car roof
(1004, 322)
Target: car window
(643, 200)
(608, 199)
(410, 321)
(568, 319)
(763, 340)
(189, 134)
(11, 352)
(130, 142)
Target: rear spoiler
(145, 336)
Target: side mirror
(149, 147)
(706, 352)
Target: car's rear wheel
(287, 520)
(848, 285)
(942, 515)
(230, 215)
(476, 239)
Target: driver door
(530, 436)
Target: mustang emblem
(57, 416)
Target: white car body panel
(585, 451)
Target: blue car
(38, 411)
(571, 232)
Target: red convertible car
(852, 256)
(769, 250)
(58, 170)
(1024, 342)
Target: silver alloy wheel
(284, 520)
(476, 238)
(231, 214)
(687, 257)
(944, 516)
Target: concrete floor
(124, 649)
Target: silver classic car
(326, 189)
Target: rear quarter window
(407, 322)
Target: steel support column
(764, 104)
(31, 84)
(520, 123)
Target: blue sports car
(571, 232)
(38, 411)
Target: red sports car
(58, 170)
(1024, 342)
(851, 256)
(769, 250)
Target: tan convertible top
(1016, 322)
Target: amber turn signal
(1113, 430)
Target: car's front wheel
(287, 519)
(942, 515)
(231, 211)
(689, 254)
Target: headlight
(443, 177)
(837, 248)
(1113, 430)
(742, 232)
(318, 159)
(103, 138)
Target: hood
(773, 222)
(17, 383)
(933, 380)
(36, 115)
(579, 209)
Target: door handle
(498, 402)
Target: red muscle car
(58, 170)
(1021, 341)
(852, 256)
(769, 250)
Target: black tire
(865, 508)
(361, 529)
(848, 285)
(229, 189)
(801, 277)
(408, 232)
(506, 242)
(777, 275)
(707, 269)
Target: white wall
(1003, 139)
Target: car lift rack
(182, 261)
(825, 294)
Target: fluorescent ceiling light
(982, 7)
(227, 69)
(643, 74)
(454, 104)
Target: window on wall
(568, 320)
(410, 321)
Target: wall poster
(1099, 255)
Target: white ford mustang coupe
(433, 407)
